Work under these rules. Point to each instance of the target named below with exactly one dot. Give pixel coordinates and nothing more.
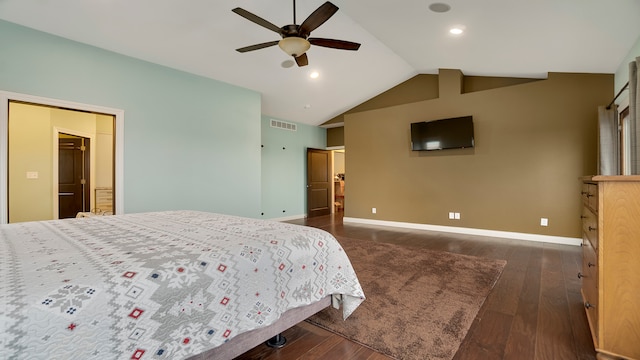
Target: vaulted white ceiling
(520, 38)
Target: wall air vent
(283, 125)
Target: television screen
(453, 133)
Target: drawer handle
(583, 193)
(582, 217)
(589, 264)
(580, 275)
(592, 228)
(588, 305)
(589, 195)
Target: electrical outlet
(544, 222)
(457, 216)
(373, 210)
(452, 215)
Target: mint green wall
(622, 75)
(189, 142)
(284, 170)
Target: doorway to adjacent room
(29, 181)
(319, 182)
(325, 182)
(338, 180)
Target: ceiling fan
(295, 38)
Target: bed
(163, 285)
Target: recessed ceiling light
(287, 64)
(457, 29)
(439, 7)
(314, 75)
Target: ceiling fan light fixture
(294, 46)
(294, 37)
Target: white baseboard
(288, 218)
(469, 231)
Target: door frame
(92, 172)
(118, 146)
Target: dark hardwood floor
(534, 312)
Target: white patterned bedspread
(163, 285)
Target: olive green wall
(335, 136)
(533, 140)
(418, 88)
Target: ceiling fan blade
(334, 44)
(302, 60)
(317, 18)
(257, 19)
(257, 46)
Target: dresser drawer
(590, 226)
(589, 275)
(592, 197)
(589, 260)
(584, 193)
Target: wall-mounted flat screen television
(453, 133)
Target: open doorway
(56, 157)
(106, 138)
(338, 180)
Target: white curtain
(634, 117)
(608, 141)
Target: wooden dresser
(104, 201)
(611, 264)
